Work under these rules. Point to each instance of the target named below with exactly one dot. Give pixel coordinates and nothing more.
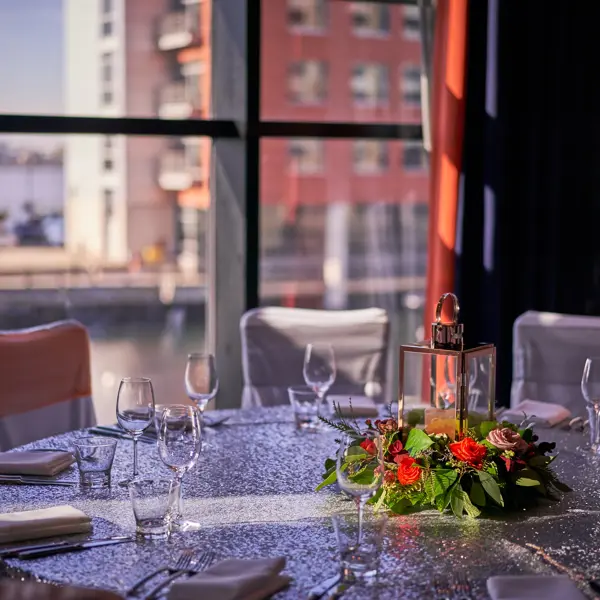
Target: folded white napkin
(45, 522)
(547, 412)
(525, 587)
(34, 463)
(355, 406)
(234, 579)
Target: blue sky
(31, 56)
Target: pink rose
(507, 439)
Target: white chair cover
(549, 352)
(274, 339)
(45, 382)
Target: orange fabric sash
(43, 365)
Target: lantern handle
(440, 305)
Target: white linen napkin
(534, 587)
(34, 463)
(44, 522)
(545, 412)
(355, 406)
(234, 579)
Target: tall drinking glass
(590, 388)
(135, 412)
(179, 445)
(201, 380)
(352, 462)
(319, 369)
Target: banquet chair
(549, 352)
(274, 340)
(45, 382)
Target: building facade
(344, 214)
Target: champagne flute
(319, 369)
(590, 388)
(135, 412)
(201, 381)
(179, 445)
(348, 466)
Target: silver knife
(320, 590)
(12, 552)
(25, 480)
(60, 549)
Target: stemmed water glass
(179, 445)
(201, 380)
(590, 388)
(135, 412)
(319, 369)
(352, 463)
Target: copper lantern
(444, 386)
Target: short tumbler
(94, 456)
(305, 402)
(360, 561)
(153, 501)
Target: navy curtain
(529, 209)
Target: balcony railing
(178, 30)
(178, 101)
(175, 172)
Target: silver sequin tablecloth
(253, 492)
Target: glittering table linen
(253, 492)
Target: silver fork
(190, 566)
(170, 568)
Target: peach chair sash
(42, 366)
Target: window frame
(235, 132)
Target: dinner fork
(182, 558)
(190, 565)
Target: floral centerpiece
(495, 466)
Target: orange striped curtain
(448, 115)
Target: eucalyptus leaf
(443, 480)
(469, 507)
(417, 441)
(477, 494)
(457, 502)
(491, 487)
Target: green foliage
(417, 442)
(447, 482)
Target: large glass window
(344, 240)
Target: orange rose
(409, 471)
(469, 451)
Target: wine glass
(179, 445)
(201, 381)
(352, 463)
(590, 388)
(319, 369)
(135, 412)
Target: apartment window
(370, 157)
(107, 18)
(411, 23)
(369, 83)
(107, 78)
(306, 14)
(306, 156)
(108, 153)
(413, 156)
(410, 84)
(370, 19)
(193, 73)
(307, 82)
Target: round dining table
(253, 493)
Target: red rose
(469, 451)
(369, 446)
(396, 448)
(409, 471)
